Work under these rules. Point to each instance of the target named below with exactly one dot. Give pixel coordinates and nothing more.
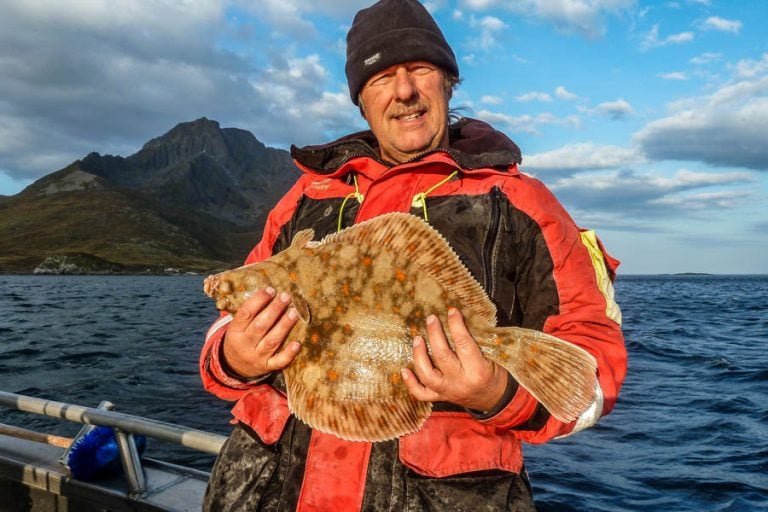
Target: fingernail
(404, 374)
(270, 290)
(295, 346)
(285, 297)
(417, 341)
(431, 319)
(453, 311)
(292, 314)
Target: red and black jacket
(538, 267)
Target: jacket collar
(473, 144)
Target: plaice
(362, 294)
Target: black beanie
(393, 32)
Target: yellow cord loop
(356, 194)
(420, 199)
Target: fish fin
(302, 238)
(560, 375)
(357, 418)
(402, 233)
(301, 306)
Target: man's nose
(405, 88)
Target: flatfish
(362, 294)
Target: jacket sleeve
(215, 378)
(586, 314)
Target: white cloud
(673, 75)
(585, 17)
(616, 110)
(564, 94)
(534, 96)
(177, 18)
(652, 194)
(488, 27)
(722, 24)
(724, 128)
(652, 39)
(86, 76)
(582, 157)
(526, 123)
(748, 68)
(706, 58)
(725, 199)
(722, 137)
(491, 100)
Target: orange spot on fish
(346, 329)
(400, 276)
(367, 261)
(293, 276)
(310, 402)
(240, 288)
(414, 330)
(314, 338)
(496, 340)
(345, 288)
(395, 378)
(332, 375)
(396, 309)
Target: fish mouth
(210, 284)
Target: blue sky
(649, 120)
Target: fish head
(233, 287)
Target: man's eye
(381, 80)
(422, 70)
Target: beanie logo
(373, 59)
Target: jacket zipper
(489, 248)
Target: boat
(35, 472)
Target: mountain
(194, 199)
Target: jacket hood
(473, 144)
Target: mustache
(404, 110)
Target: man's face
(406, 107)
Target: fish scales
(362, 295)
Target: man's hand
(258, 329)
(462, 376)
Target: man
(540, 270)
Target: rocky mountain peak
(199, 191)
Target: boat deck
(33, 479)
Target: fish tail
(560, 375)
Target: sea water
(689, 433)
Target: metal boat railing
(124, 425)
